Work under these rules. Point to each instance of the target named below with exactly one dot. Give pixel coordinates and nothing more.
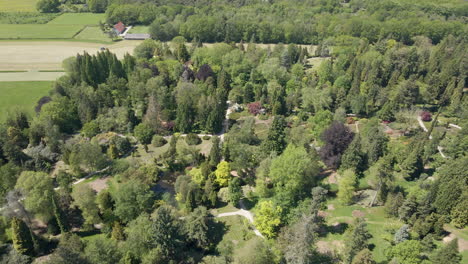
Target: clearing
(21, 95)
(17, 5)
(48, 55)
(38, 31)
(78, 19)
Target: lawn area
(93, 33)
(21, 95)
(237, 232)
(78, 19)
(17, 5)
(139, 29)
(43, 31)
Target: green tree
(117, 232)
(223, 174)
(37, 187)
(48, 6)
(353, 158)
(235, 191)
(166, 231)
(85, 199)
(90, 129)
(97, 6)
(448, 254)
(69, 250)
(408, 251)
(60, 216)
(138, 240)
(276, 136)
(22, 237)
(102, 250)
(356, 239)
(215, 152)
(131, 198)
(144, 134)
(347, 186)
(364, 257)
(197, 227)
(319, 122)
(268, 218)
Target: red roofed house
(119, 28)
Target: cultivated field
(17, 5)
(38, 31)
(29, 76)
(92, 33)
(77, 19)
(48, 55)
(21, 95)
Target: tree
(276, 136)
(118, 232)
(448, 254)
(139, 240)
(60, 216)
(223, 174)
(102, 250)
(347, 186)
(197, 227)
(292, 175)
(268, 219)
(235, 191)
(353, 157)
(22, 237)
(402, 234)
(37, 187)
(131, 198)
(364, 257)
(69, 250)
(144, 134)
(215, 152)
(319, 122)
(337, 138)
(166, 231)
(408, 252)
(97, 6)
(48, 6)
(85, 199)
(356, 239)
(90, 129)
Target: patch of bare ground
(325, 247)
(99, 184)
(330, 207)
(358, 214)
(322, 214)
(462, 243)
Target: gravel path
(245, 213)
(439, 148)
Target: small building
(119, 28)
(137, 36)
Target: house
(136, 36)
(119, 28)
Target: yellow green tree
(223, 173)
(347, 186)
(268, 218)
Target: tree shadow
(217, 231)
(340, 228)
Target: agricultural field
(78, 19)
(21, 95)
(139, 29)
(43, 31)
(92, 33)
(17, 5)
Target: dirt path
(244, 213)
(423, 126)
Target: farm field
(17, 5)
(38, 31)
(21, 95)
(139, 29)
(48, 55)
(77, 19)
(29, 76)
(92, 33)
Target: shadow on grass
(88, 233)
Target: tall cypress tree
(22, 237)
(59, 216)
(215, 153)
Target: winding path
(245, 213)
(423, 126)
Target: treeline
(300, 22)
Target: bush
(206, 137)
(192, 139)
(426, 116)
(158, 141)
(255, 108)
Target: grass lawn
(93, 33)
(21, 95)
(17, 5)
(78, 19)
(43, 31)
(139, 29)
(237, 231)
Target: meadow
(44, 31)
(77, 19)
(17, 5)
(21, 95)
(93, 33)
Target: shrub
(255, 108)
(158, 141)
(192, 139)
(426, 116)
(206, 137)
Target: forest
(345, 141)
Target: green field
(17, 5)
(139, 29)
(78, 19)
(21, 95)
(92, 33)
(45, 31)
